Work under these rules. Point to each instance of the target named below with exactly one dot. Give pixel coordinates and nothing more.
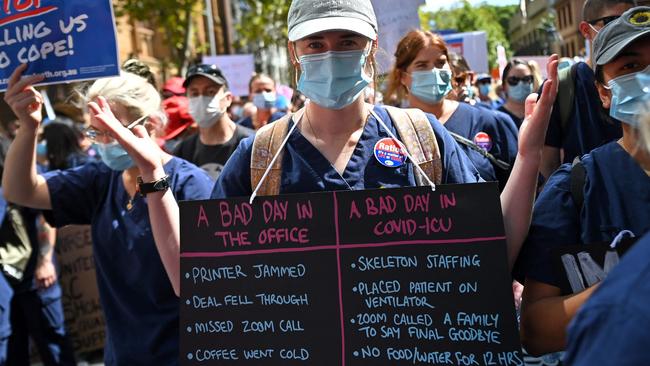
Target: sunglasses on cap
(513, 80)
(97, 136)
(606, 20)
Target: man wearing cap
(577, 123)
(607, 193)
(218, 136)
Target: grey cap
(620, 33)
(307, 17)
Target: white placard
(472, 46)
(237, 69)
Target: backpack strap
(578, 179)
(416, 133)
(566, 94)
(472, 145)
(268, 141)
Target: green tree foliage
(263, 23)
(464, 17)
(173, 18)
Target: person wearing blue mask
(261, 91)
(209, 97)
(485, 92)
(518, 83)
(329, 144)
(611, 328)
(423, 74)
(613, 194)
(128, 198)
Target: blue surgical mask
(114, 156)
(333, 79)
(470, 91)
(520, 91)
(484, 89)
(629, 93)
(431, 86)
(41, 148)
(264, 100)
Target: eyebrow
(346, 35)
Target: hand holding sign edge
(25, 101)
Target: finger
(140, 131)
(15, 76)
(103, 104)
(530, 105)
(26, 82)
(26, 104)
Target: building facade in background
(569, 15)
(532, 30)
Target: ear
(585, 30)
(227, 99)
(605, 95)
(405, 79)
(293, 57)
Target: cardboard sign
(238, 70)
(84, 318)
(579, 267)
(381, 277)
(64, 40)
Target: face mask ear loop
(275, 157)
(392, 135)
(617, 240)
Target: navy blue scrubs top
(248, 121)
(589, 126)
(611, 328)
(305, 169)
(616, 198)
(138, 300)
(472, 122)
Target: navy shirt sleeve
(555, 223)
(74, 193)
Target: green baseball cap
(620, 33)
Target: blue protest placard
(69, 40)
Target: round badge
(483, 141)
(389, 154)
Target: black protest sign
(84, 318)
(392, 276)
(578, 267)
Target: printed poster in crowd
(69, 40)
(378, 277)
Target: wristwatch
(159, 185)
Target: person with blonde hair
(128, 198)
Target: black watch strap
(159, 185)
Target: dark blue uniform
(138, 300)
(616, 198)
(589, 126)
(611, 328)
(248, 121)
(305, 169)
(6, 292)
(502, 138)
(35, 313)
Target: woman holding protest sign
(331, 143)
(135, 240)
(422, 74)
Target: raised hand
(537, 113)
(24, 100)
(138, 144)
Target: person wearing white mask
(218, 137)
